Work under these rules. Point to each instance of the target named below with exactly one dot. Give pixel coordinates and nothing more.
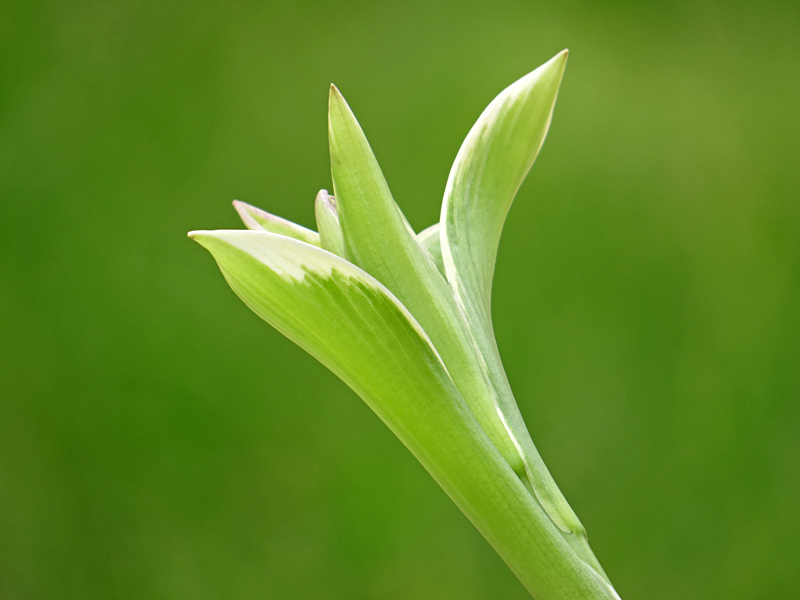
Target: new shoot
(405, 320)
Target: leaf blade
(358, 329)
(490, 166)
(330, 232)
(378, 239)
(256, 219)
(430, 241)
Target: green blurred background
(158, 441)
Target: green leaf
(429, 240)
(260, 220)
(330, 232)
(378, 239)
(352, 324)
(489, 168)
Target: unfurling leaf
(405, 320)
(378, 240)
(353, 325)
(330, 232)
(256, 219)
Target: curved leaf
(429, 240)
(353, 325)
(489, 168)
(330, 232)
(378, 239)
(260, 220)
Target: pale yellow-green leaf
(357, 328)
(260, 220)
(330, 232)
(378, 239)
(429, 240)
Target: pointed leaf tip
(335, 97)
(379, 240)
(330, 231)
(341, 119)
(200, 236)
(256, 219)
(489, 168)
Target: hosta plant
(405, 320)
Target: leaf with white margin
(378, 239)
(489, 168)
(330, 232)
(429, 240)
(493, 161)
(256, 219)
(354, 326)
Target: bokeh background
(158, 441)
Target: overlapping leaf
(429, 239)
(256, 219)
(352, 324)
(377, 239)
(489, 168)
(330, 232)
(405, 320)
